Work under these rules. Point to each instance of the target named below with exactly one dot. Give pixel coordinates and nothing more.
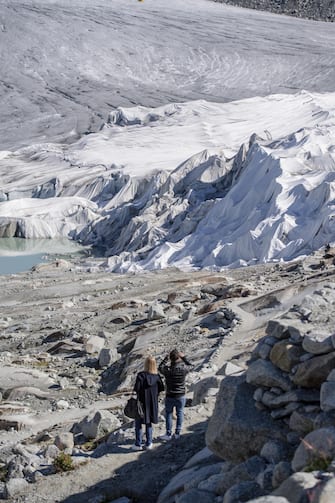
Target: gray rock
(274, 451)
(258, 395)
(156, 312)
(188, 314)
(201, 388)
(51, 452)
(195, 495)
(244, 491)
(94, 344)
(107, 356)
(98, 423)
(327, 396)
(15, 486)
(281, 472)
(324, 420)
(285, 329)
(316, 449)
(264, 351)
(202, 457)
(301, 422)
(297, 395)
(269, 499)
(264, 373)
(211, 483)
(264, 479)
(246, 471)
(64, 440)
(318, 343)
(312, 373)
(229, 369)
(294, 488)
(284, 411)
(237, 430)
(176, 485)
(201, 474)
(285, 355)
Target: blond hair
(150, 365)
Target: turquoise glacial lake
(19, 255)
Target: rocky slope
(261, 339)
(322, 10)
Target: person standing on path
(148, 385)
(174, 367)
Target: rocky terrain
(259, 420)
(322, 10)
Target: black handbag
(134, 409)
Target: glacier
(226, 159)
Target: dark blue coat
(148, 386)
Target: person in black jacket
(148, 385)
(174, 367)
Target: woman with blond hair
(148, 385)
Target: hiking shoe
(166, 437)
(176, 436)
(148, 447)
(136, 447)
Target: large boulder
(315, 451)
(285, 355)
(237, 430)
(312, 373)
(318, 343)
(264, 373)
(97, 424)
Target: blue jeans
(179, 404)
(139, 433)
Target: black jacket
(147, 387)
(175, 375)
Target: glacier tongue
(190, 185)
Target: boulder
(237, 429)
(176, 484)
(64, 440)
(201, 388)
(156, 312)
(229, 368)
(275, 451)
(246, 471)
(94, 344)
(318, 343)
(286, 329)
(243, 491)
(312, 373)
(294, 489)
(301, 422)
(316, 450)
(285, 355)
(281, 472)
(107, 356)
(16, 486)
(98, 424)
(195, 495)
(297, 395)
(264, 373)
